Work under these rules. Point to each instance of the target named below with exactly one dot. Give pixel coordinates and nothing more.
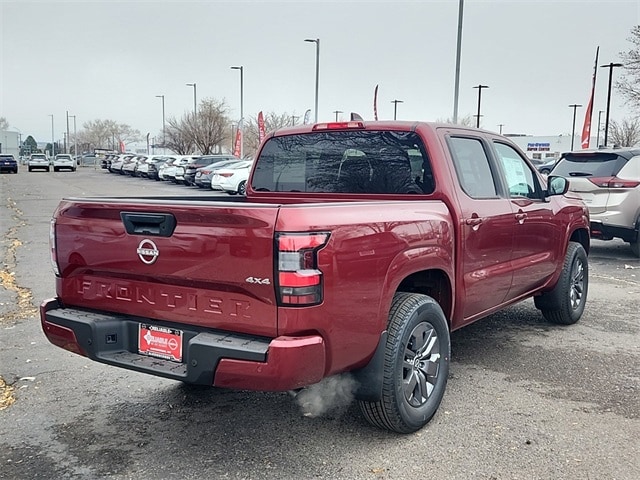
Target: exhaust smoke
(331, 393)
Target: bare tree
(4, 124)
(626, 133)
(272, 121)
(629, 82)
(106, 134)
(203, 133)
(466, 121)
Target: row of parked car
(217, 172)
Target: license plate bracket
(160, 342)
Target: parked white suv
(38, 161)
(64, 161)
(608, 180)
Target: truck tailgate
(207, 264)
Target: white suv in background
(608, 180)
(38, 161)
(64, 161)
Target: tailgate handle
(154, 224)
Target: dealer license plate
(160, 342)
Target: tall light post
(66, 148)
(164, 139)
(337, 112)
(75, 137)
(610, 66)
(598, 133)
(500, 125)
(241, 68)
(479, 87)
(456, 89)
(573, 127)
(195, 109)
(395, 107)
(317, 42)
(53, 147)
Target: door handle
(473, 222)
(521, 217)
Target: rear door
(486, 226)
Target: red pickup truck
(358, 248)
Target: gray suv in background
(608, 180)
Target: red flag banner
(586, 129)
(375, 104)
(261, 132)
(122, 148)
(237, 146)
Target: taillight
(613, 182)
(299, 279)
(225, 175)
(52, 247)
(205, 172)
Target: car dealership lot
(525, 399)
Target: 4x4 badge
(147, 251)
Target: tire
(55, 169)
(30, 169)
(416, 365)
(635, 246)
(242, 188)
(565, 304)
(48, 169)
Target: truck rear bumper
(209, 357)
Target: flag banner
(122, 149)
(238, 144)
(261, 132)
(586, 129)
(375, 104)
(307, 114)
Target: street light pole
(598, 133)
(479, 87)
(456, 89)
(395, 107)
(501, 125)
(337, 112)
(75, 137)
(610, 66)
(66, 150)
(164, 138)
(573, 127)
(53, 148)
(317, 42)
(241, 68)
(195, 109)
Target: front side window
(519, 177)
(362, 161)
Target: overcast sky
(109, 59)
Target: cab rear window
(366, 162)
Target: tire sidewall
(577, 255)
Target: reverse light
(613, 182)
(338, 126)
(299, 279)
(52, 247)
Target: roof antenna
(356, 117)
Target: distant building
(10, 142)
(547, 147)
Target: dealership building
(541, 148)
(10, 142)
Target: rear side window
(344, 162)
(472, 167)
(596, 164)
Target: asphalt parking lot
(525, 399)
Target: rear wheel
(242, 188)
(416, 365)
(565, 303)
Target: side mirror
(557, 185)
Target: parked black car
(8, 163)
(193, 165)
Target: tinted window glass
(344, 162)
(472, 167)
(597, 164)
